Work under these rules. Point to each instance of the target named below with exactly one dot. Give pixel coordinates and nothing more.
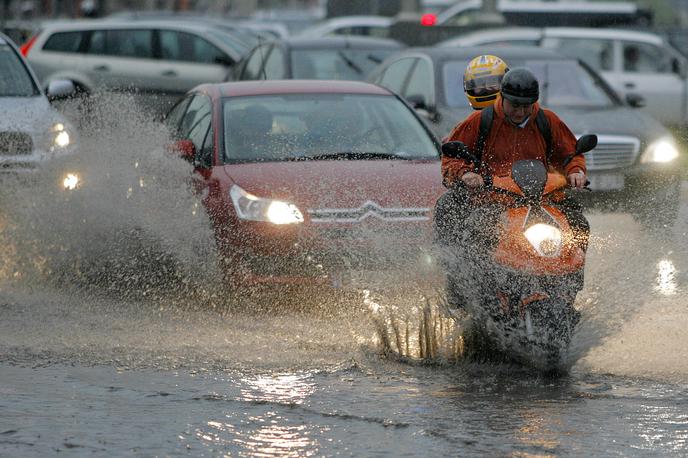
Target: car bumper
(627, 188)
(335, 256)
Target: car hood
(27, 114)
(338, 184)
(606, 121)
(613, 121)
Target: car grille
(15, 143)
(612, 152)
(368, 210)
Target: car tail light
(26, 47)
(428, 19)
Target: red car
(308, 181)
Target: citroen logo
(368, 209)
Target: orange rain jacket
(507, 143)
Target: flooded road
(100, 356)
(98, 376)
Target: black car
(338, 58)
(636, 163)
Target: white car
(369, 26)
(160, 60)
(632, 62)
(31, 130)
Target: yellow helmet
(482, 80)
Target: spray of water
(131, 225)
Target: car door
(187, 60)
(121, 59)
(655, 73)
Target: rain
(164, 291)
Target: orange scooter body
(514, 251)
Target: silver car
(155, 58)
(31, 130)
(635, 63)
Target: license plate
(606, 182)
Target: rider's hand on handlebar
(472, 180)
(577, 180)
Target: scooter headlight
(545, 238)
(254, 208)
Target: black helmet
(520, 86)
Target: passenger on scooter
(482, 80)
(515, 133)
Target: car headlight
(546, 239)
(71, 181)
(60, 138)
(254, 208)
(661, 151)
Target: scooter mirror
(458, 150)
(586, 143)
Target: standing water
(117, 337)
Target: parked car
(632, 62)
(156, 58)
(635, 165)
(340, 58)
(368, 26)
(548, 13)
(307, 181)
(31, 130)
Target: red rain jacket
(507, 143)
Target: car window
(509, 42)
(254, 64)
(195, 125)
(395, 75)
(420, 83)
(188, 47)
(274, 65)
(645, 58)
(562, 83)
(174, 116)
(598, 53)
(15, 79)
(64, 42)
(364, 30)
(293, 126)
(122, 43)
(465, 17)
(338, 64)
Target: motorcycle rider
(513, 135)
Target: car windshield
(336, 64)
(562, 84)
(323, 126)
(15, 80)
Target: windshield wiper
(350, 62)
(350, 155)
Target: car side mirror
(635, 100)
(60, 89)
(678, 67)
(419, 104)
(224, 60)
(458, 150)
(185, 148)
